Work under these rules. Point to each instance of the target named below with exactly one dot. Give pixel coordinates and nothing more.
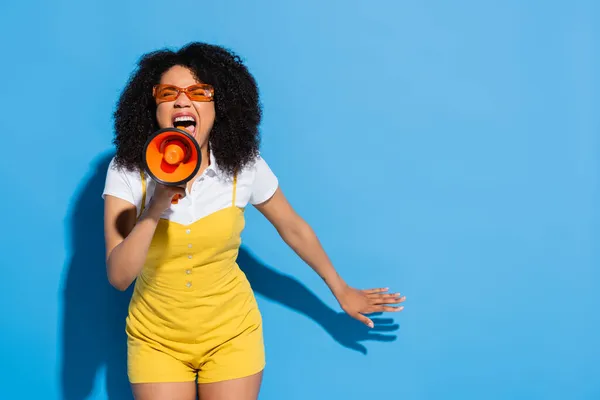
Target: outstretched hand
(357, 302)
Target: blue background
(448, 150)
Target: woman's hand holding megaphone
(163, 197)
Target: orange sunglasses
(199, 92)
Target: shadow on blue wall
(287, 291)
(93, 329)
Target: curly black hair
(234, 138)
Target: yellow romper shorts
(193, 315)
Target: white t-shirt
(211, 192)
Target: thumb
(364, 320)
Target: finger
(370, 310)
(381, 293)
(384, 296)
(390, 308)
(378, 290)
(386, 300)
(388, 295)
(364, 320)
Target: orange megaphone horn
(172, 157)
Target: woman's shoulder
(256, 167)
(260, 179)
(123, 182)
(115, 170)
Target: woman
(193, 321)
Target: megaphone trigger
(175, 199)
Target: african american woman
(193, 325)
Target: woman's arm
(298, 234)
(128, 240)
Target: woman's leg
(156, 375)
(164, 391)
(246, 388)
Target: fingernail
(371, 324)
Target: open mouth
(186, 122)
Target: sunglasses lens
(166, 93)
(200, 93)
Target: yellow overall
(193, 314)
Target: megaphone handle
(175, 199)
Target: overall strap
(143, 205)
(234, 189)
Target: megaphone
(172, 157)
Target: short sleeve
(264, 184)
(119, 184)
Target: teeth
(184, 118)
